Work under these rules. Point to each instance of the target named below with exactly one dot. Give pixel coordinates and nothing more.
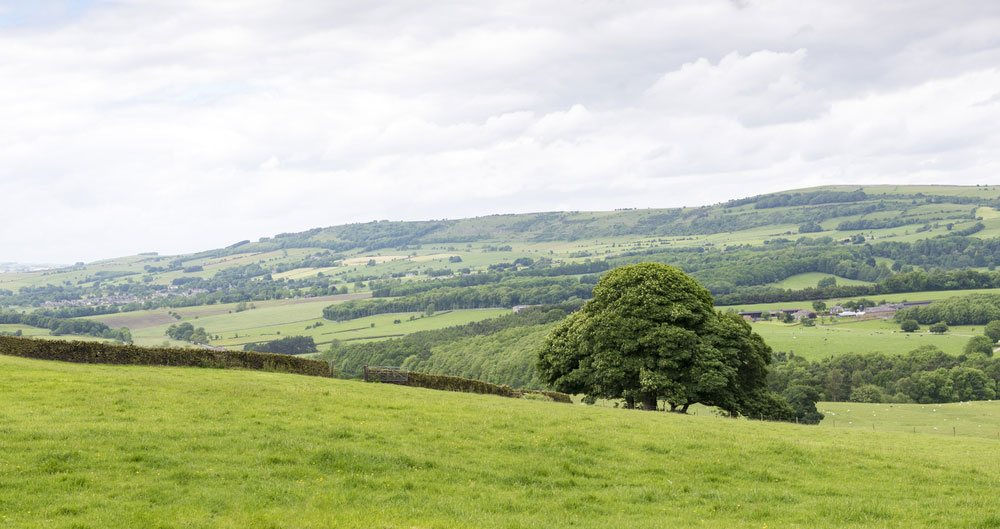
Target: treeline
(101, 353)
(457, 298)
(289, 345)
(809, 199)
(535, 276)
(917, 281)
(59, 326)
(975, 309)
(513, 366)
(925, 375)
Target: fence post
(953, 433)
(366, 373)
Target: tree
(867, 393)
(993, 330)
(650, 333)
(979, 344)
(802, 401)
(810, 227)
(939, 328)
(909, 325)
(819, 306)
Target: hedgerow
(101, 353)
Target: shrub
(939, 328)
(909, 325)
(867, 393)
(101, 353)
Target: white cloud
(179, 126)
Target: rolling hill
(170, 447)
(345, 286)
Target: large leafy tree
(650, 333)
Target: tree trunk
(649, 402)
(629, 403)
(684, 409)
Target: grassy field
(172, 447)
(892, 298)
(809, 279)
(961, 419)
(276, 319)
(821, 341)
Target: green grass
(893, 298)
(822, 341)
(171, 447)
(809, 279)
(961, 419)
(274, 320)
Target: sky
(176, 126)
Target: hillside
(166, 447)
(376, 281)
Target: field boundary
(101, 353)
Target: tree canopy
(651, 332)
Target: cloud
(179, 126)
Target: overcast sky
(177, 126)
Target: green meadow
(892, 298)
(809, 279)
(185, 447)
(955, 419)
(821, 341)
(272, 320)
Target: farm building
(799, 314)
(754, 315)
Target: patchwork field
(272, 320)
(167, 447)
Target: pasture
(821, 341)
(200, 448)
(961, 419)
(809, 279)
(276, 319)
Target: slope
(169, 447)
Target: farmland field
(809, 279)
(274, 320)
(821, 341)
(891, 298)
(961, 419)
(164, 447)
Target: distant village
(884, 311)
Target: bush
(867, 393)
(101, 353)
(939, 328)
(909, 325)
